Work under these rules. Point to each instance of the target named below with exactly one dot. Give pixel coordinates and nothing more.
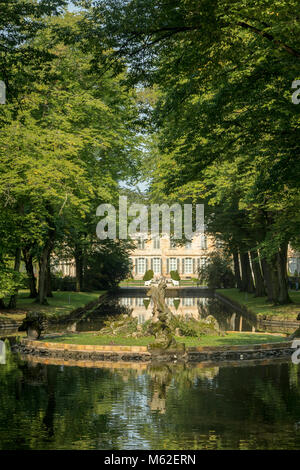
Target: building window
(172, 264)
(156, 263)
(188, 245)
(294, 265)
(203, 242)
(141, 265)
(188, 301)
(139, 302)
(141, 243)
(188, 266)
(203, 262)
(156, 243)
(126, 301)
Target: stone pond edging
(143, 354)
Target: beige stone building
(163, 255)
(293, 261)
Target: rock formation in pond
(158, 295)
(161, 319)
(163, 324)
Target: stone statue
(161, 316)
(158, 295)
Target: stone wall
(143, 354)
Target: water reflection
(196, 307)
(186, 305)
(149, 406)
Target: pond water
(141, 406)
(186, 304)
(118, 406)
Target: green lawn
(132, 283)
(60, 303)
(260, 306)
(229, 339)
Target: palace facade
(163, 255)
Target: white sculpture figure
(2, 92)
(2, 352)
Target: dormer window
(188, 244)
(203, 242)
(156, 243)
(141, 243)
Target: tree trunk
(30, 272)
(277, 279)
(258, 277)
(79, 269)
(41, 299)
(43, 264)
(48, 278)
(267, 278)
(283, 297)
(247, 279)
(13, 298)
(237, 271)
(2, 304)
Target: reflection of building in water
(185, 306)
(162, 377)
(193, 307)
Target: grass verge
(229, 339)
(60, 303)
(260, 306)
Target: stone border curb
(141, 353)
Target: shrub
(218, 273)
(148, 275)
(66, 283)
(175, 275)
(107, 264)
(194, 328)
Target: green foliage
(66, 141)
(148, 275)
(121, 325)
(10, 281)
(191, 327)
(217, 273)
(230, 65)
(108, 263)
(66, 283)
(175, 275)
(146, 302)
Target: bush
(107, 265)
(66, 283)
(194, 328)
(218, 272)
(148, 275)
(175, 275)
